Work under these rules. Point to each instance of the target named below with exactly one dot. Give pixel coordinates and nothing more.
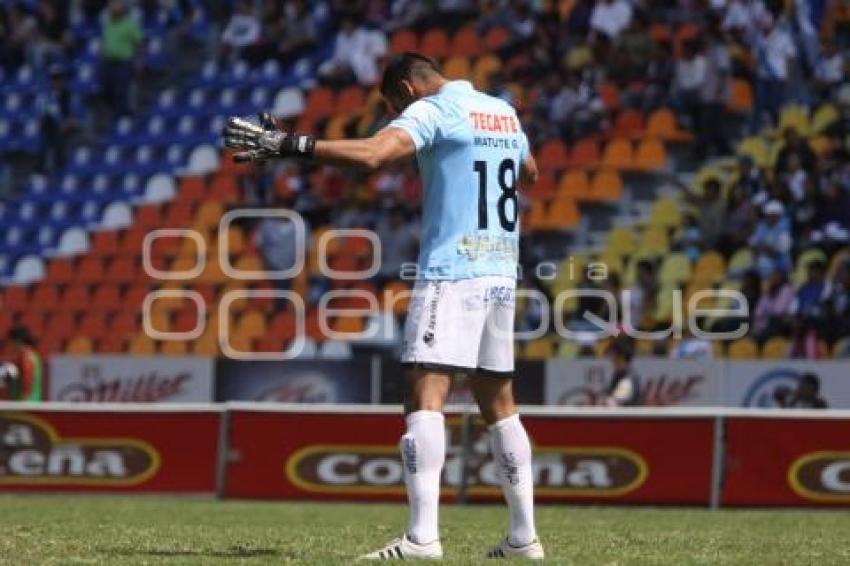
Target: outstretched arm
(259, 142)
(529, 172)
(386, 146)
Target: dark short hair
(21, 334)
(401, 67)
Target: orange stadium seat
(90, 270)
(132, 239)
(404, 40)
(147, 216)
(629, 123)
(535, 217)
(585, 154)
(126, 323)
(741, 96)
(320, 103)
(79, 345)
(123, 269)
(563, 214)
(209, 214)
(465, 42)
(61, 324)
(435, 43)
(60, 270)
(610, 95)
(141, 345)
(252, 324)
(606, 186)
(174, 348)
(350, 100)
(93, 325)
(544, 188)
(192, 189)
(496, 38)
(662, 125)
(45, 297)
(112, 344)
(574, 184)
(106, 297)
(224, 188)
(336, 126)
(457, 68)
(105, 243)
(650, 155)
(178, 214)
(618, 154)
(553, 155)
(16, 298)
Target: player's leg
(509, 443)
(511, 450)
(423, 450)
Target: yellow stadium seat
(654, 241)
(252, 324)
(710, 266)
(775, 348)
(666, 213)
(741, 261)
(335, 128)
(675, 269)
(803, 261)
(349, 325)
(142, 344)
(613, 262)
(744, 348)
(756, 148)
(841, 349)
(825, 116)
(794, 116)
(174, 348)
(621, 241)
(568, 349)
(79, 345)
(212, 272)
(540, 349)
(662, 125)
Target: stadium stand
(637, 170)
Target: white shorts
(462, 325)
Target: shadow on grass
(232, 552)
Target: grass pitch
(123, 530)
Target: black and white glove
(263, 141)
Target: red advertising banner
(333, 456)
(109, 450)
(787, 461)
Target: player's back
(470, 147)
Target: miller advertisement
(130, 379)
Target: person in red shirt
(28, 384)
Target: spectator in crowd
(772, 239)
(19, 30)
(642, 298)
(775, 306)
(830, 71)
(795, 144)
(690, 80)
(609, 18)
(812, 293)
(624, 390)
(805, 396)
(714, 94)
(279, 242)
(833, 212)
(58, 124)
(774, 52)
(242, 31)
(837, 303)
(357, 53)
(29, 383)
(739, 221)
(121, 41)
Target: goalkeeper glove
(264, 141)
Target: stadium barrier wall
(693, 456)
(373, 378)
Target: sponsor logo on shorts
(821, 476)
(31, 452)
(429, 336)
(558, 471)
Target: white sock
(512, 452)
(423, 451)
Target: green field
(113, 530)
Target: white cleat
(531, 551)
(405, 549)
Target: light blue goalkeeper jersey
(469, 147)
